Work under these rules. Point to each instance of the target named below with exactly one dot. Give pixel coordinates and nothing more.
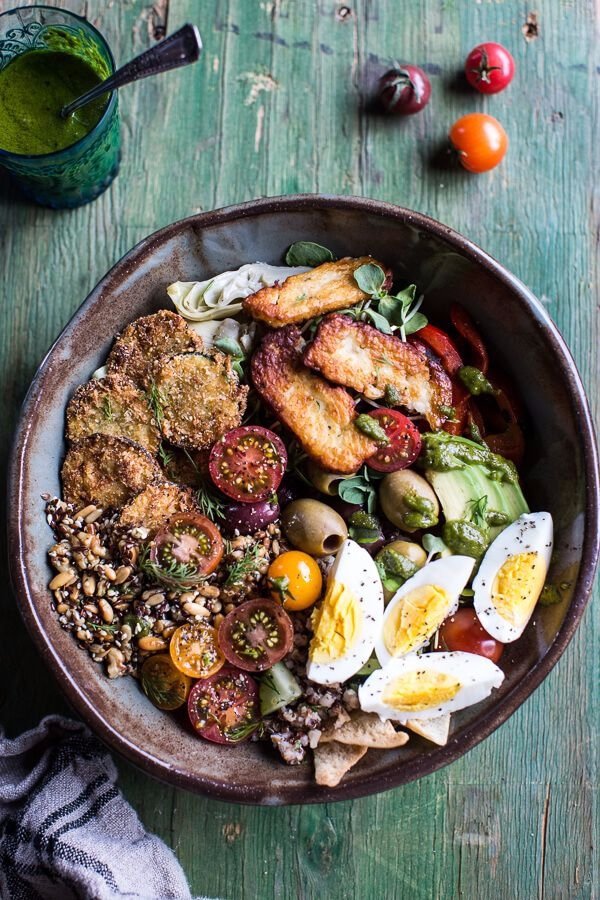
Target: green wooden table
(276, 106)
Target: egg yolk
(517, 587)
(420, 690)
(415, 618)
(336, 624)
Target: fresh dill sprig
(244, 566)
(165, 456)
(103, 626)
(160, 692)
(175, 574)
(211, 505)
(156, 401)
(107, 409)
(478, 511)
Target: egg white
(450, 573)
(477, 675)
(530, 533)
(354, 568)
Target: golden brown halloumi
(320, 415)
(359, 356)
(324, 289)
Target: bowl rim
(428, 762)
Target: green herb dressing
(34, 87)
(443, 452)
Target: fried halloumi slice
(107, 470)
(333, 760)
(320, 415)
(366, 730)
(323, 289)
(155, 505)
(359, 356)
(136, 351)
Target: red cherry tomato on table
(463, 632)
(256, 635)
(404, 441)
(224, 708)
(489, 68)
(404, 91)
(247, 463)
(480, 141)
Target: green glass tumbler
(79, 173)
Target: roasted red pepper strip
(463, 323)
(460, 404)
(510, 444)
(442, 346)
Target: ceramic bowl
(560, 475)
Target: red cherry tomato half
(404, 91)
(489, 68)
(464, 632)
(404, 441)
(224, 708)
(187, 550)
(248, 463)
(256, 635)
(480, 141)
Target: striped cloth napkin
(65, 829)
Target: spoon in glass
(179, 49)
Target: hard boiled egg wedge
(347, 621)
(512, 574)
(420, 687)
(417, 610)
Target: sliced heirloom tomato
(463, 631)
(256, 635)
(195, 650)
(404, 441)
(247, 463)
(295, 579)
(186, 551)
(225, 708)
(163, 684)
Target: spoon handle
(179, 49)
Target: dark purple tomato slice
(247, 463)
(224, 708)
(256, 635)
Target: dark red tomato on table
(489, 68)
(256, 635)
(480, 142)
(464, 632)
(404, 441)
(186, 551)
(225, 708)
(247, 463)
(404, 91)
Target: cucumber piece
(371, 665)
(278, 688)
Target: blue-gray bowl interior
(446, 269)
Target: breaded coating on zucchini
(359, 356)
(320, 415)
(107, 470)
(112, 405)
(200, 398)
(325, 288)
(156, 504)
(142, 343)
(184, 467)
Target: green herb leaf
(210, 504)
(156, 401)
(478, 511)
(165, 456)
(307, 253)
(244, 566)
(176, 574)
(370, 279)
(380, 322)
(359, 489)
(415, 323)
(432, 545)
(230, 346)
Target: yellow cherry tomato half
(295, 580)
(164, 685)
(195, 650)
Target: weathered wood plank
(279, 104)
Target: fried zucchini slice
(320, 415)
(199, 397)
(107, 471)
(155, 505)
(325, 288)
(184, 467)
(112, 405)
(359, 356)
(142, 343)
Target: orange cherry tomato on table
(195, 650)
(295, 579)
(463, 631)
(480, 141)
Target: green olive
(314, 527)
(326, 482)
(397, 562)
(411, 551)
(408, 501)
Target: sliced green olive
(314, 527)
(408, 501)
